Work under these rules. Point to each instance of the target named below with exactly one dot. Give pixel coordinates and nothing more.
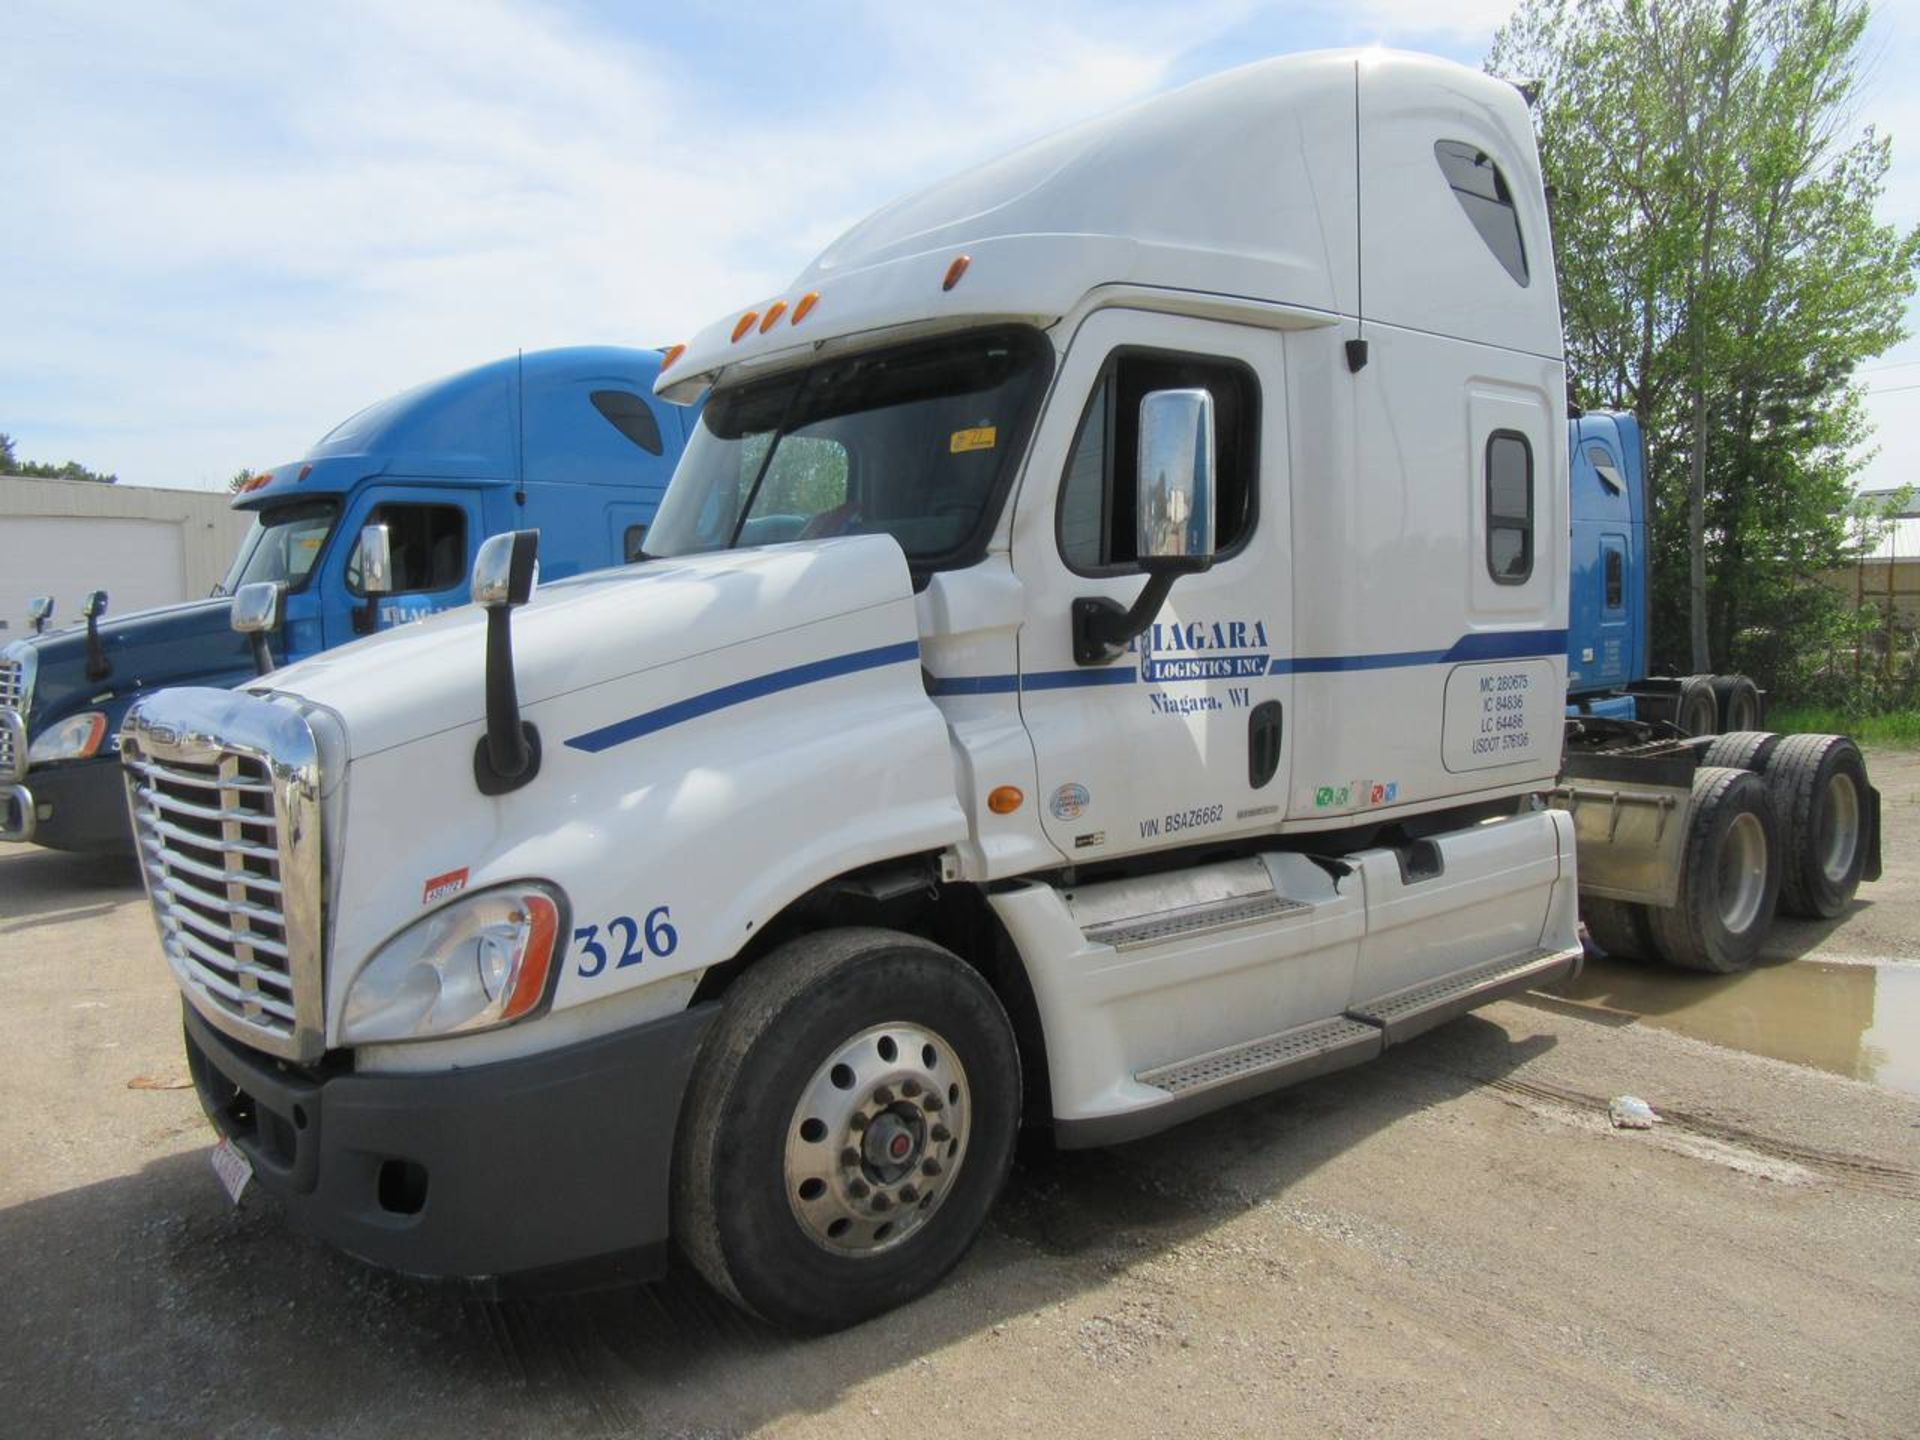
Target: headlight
(479, 962)
(75, 738)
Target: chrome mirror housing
(506, 569)
(376, 561)
(258, 606)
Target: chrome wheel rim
(1839, 829)
(878, 1138)
(1743, 872)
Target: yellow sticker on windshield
(981, 437)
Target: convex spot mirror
(39, 612)
(1175, 483)
(506, 569)
(258, 606)
(95, 605)
(257, 611)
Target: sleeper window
(1097, 500)
(1482, 192)
(1509, 507)
(628, 414)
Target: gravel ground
(1450, 1241)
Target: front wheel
(849, 1124)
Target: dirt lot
(1449, 1242)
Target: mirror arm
(98, 667)
(262, 656)
(1102, 628)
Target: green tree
(1722, 276)
(11, 464)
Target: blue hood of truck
(188, 644)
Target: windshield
(917, 442)
(282, 545)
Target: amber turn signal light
(1005, 799)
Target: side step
(1406, 1013)
(1305, 1050)
(1221, 1077)
(1136, 931)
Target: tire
(1729, 875)
(1818, 784)
(1620, 928)
(1741, 750)
(787, 1203)
(1737, 701)
(1695, 710)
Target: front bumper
(73, 805)
(535, 1164)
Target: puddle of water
(1861, 1020)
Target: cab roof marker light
(955, 271)
(803, 307)
(674, 352)
(745, 324)
(774, 312)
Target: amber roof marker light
(674, 352)
(955, 271)
(774, 312)
(803, 307)
(745, 324)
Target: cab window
(1097, 494)
(428, 544)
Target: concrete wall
(143, 546)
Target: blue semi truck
(1693, 823)
(569, 442)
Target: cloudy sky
(229, 225)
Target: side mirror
(1174, 492)
(93, 607)
(376, 561)
(376, 575)
(39, 612)
(504, 571)
(1174, 488)
(258, 610)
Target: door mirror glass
(95, 605)
(1175, 492)
(39, 611)
(376, 561)
(258, 606)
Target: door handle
(1264, 729)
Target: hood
(429, 677)
(183, 644)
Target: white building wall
(143, 546)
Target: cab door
(1184, 738)
(432, 533)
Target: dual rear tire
(1775, 822)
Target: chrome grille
(228, 834)
(13, 705)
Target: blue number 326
(656, 937)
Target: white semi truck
(1102, 655)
